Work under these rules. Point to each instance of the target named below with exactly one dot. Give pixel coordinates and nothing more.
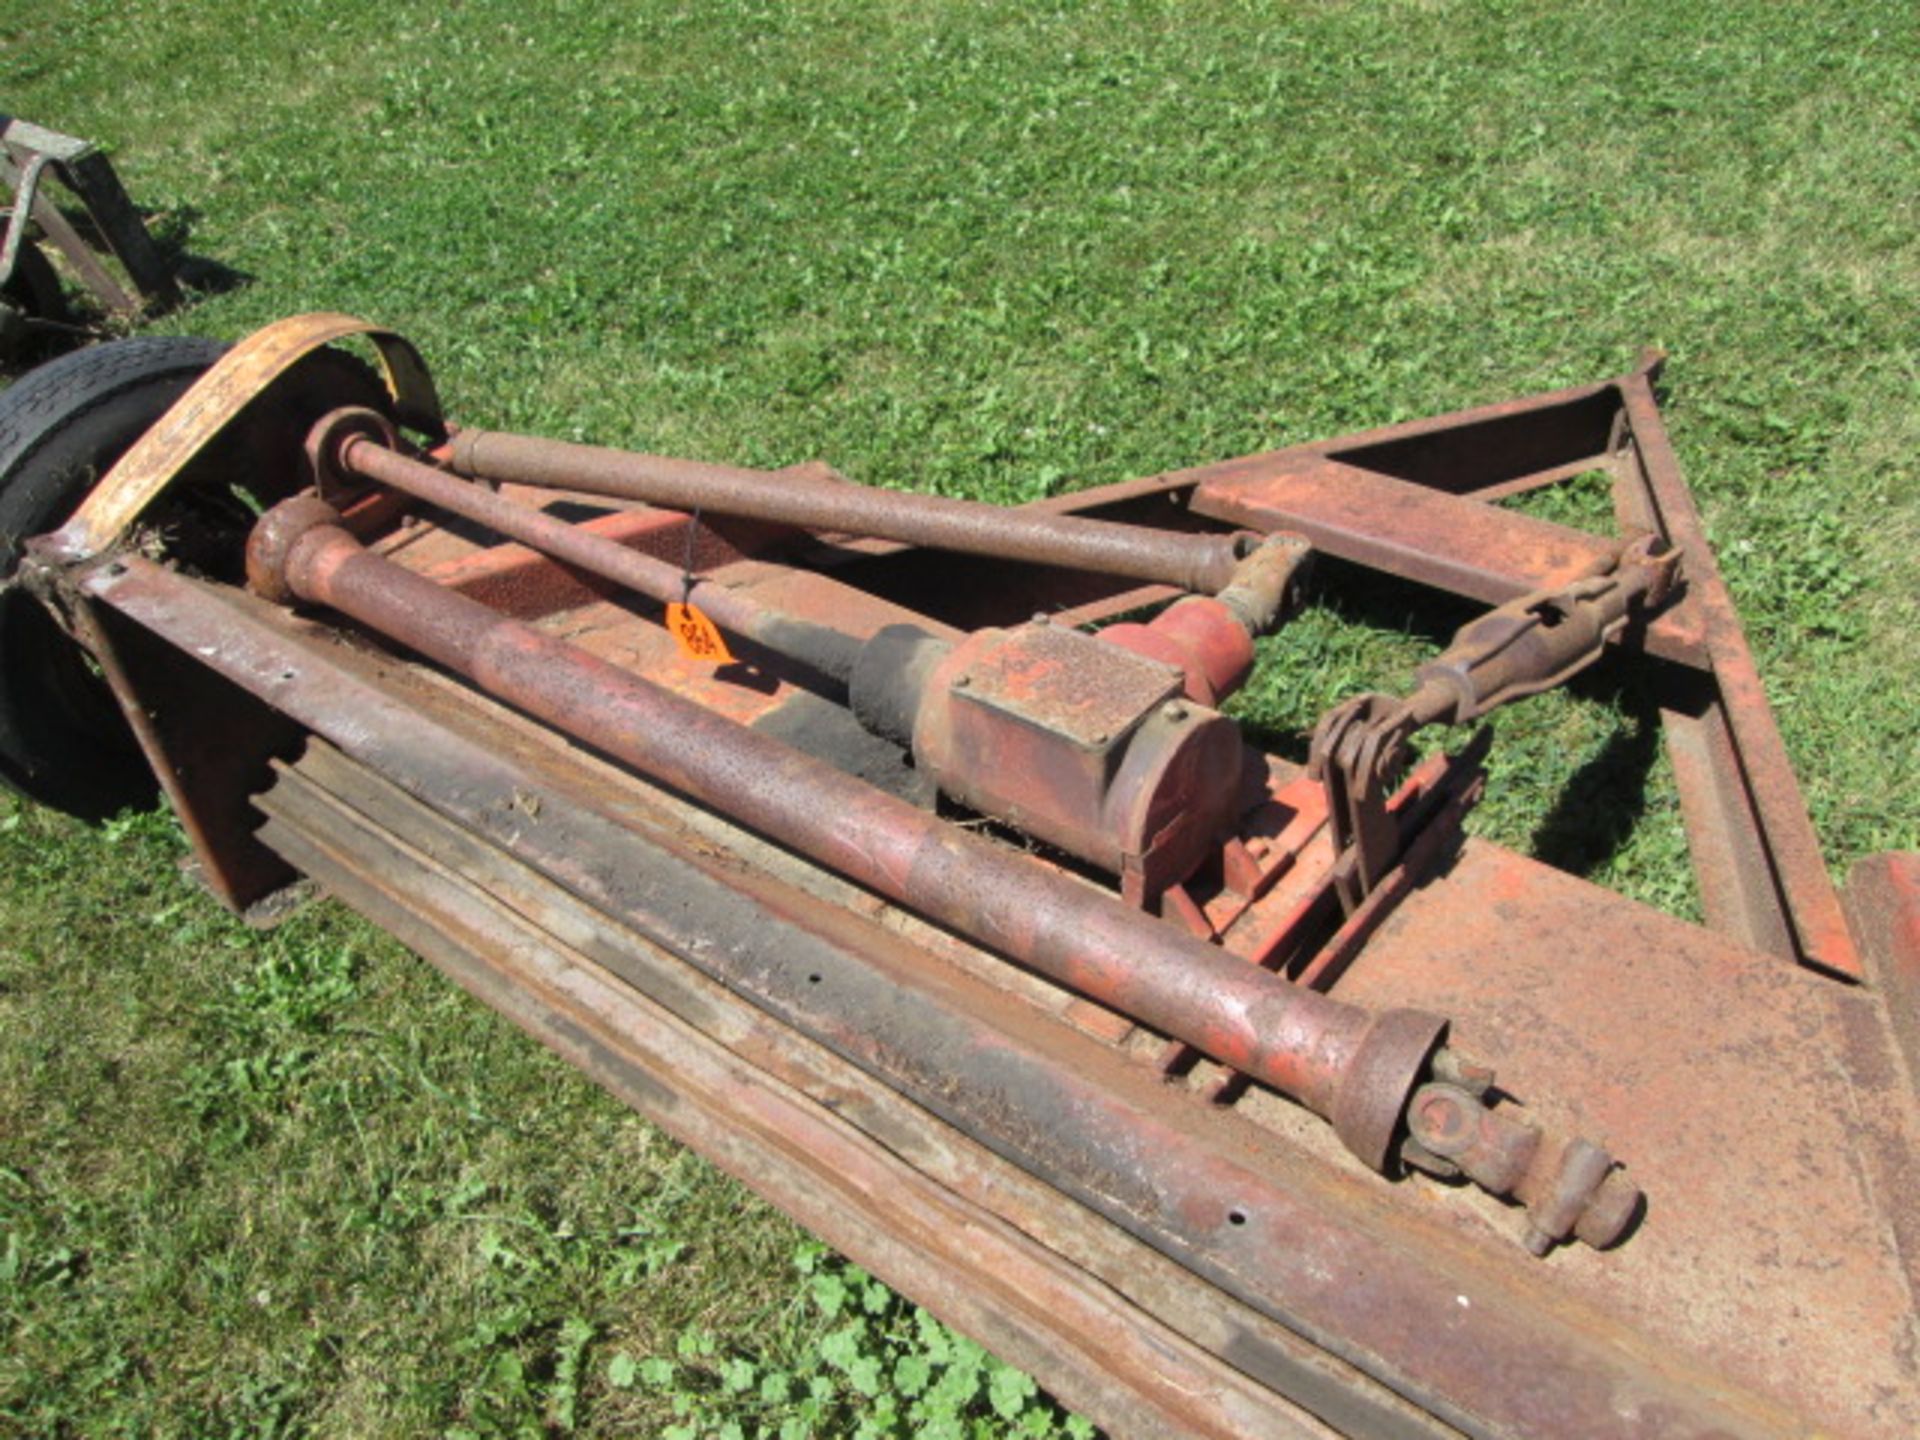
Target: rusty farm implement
(897, 852)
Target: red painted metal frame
(1419, 1294)
(1769, 1111)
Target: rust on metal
(1532, 644)
(211, 404)
(1122, 1032)
(1193, 562)
(1084, 745)
(1108, 1355)
(1355, 1068)
(357, 452)
(1044, 726)
(1210, 637)
(1318, 1255)
(1413, 500)
(1753, 769)
(1883, 904)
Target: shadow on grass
(172, 232)
(68, 316)
(1602, 802)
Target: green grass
(293, 1183)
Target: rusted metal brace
(1204, 563)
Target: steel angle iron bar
(1359, 1069)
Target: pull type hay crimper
(895, 852)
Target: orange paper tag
(697, 637)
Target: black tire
(63, 740)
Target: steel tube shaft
(1194, 562)
(826, 649)
(1352, 1065)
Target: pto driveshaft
(1351, 1065)
(1201, 563)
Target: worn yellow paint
(217, 398)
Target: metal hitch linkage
(1356, 1067)
(1527, 646)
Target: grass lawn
(292, 1183)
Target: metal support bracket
(27, 153)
